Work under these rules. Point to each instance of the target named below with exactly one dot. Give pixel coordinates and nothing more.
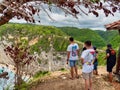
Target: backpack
(112, 52)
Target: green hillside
(42, 35)
(57, 36)
(107, 35)
(84, 34)
(111, 37)
(116, 41)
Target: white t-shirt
(72, 48)
(88, 56)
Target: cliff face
(46, 61)
(4, 59)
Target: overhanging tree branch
(22, 9)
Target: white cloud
(83, 21)
(1, 1)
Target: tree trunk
(118, 62)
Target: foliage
(63, 69)
(21, 57)
(107, 35)
(41, 74)
(60, 43)
(101, 56)
(39, 34)
(83, 35)
(32, 82)
(23, 9)
(111, 37)
(115, 42)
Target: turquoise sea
(9, 83)
(5, 83)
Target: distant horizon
(83, 21)
(57, 26)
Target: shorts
(95, 65)
(110, 67)
(87, 76)
(73, 63)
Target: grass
(41, 74)
(35, 81)
(63, 69)
(101, 60)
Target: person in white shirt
(72, 57)
(87, 59)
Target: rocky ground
(61, 81)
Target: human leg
(109, 69)
(76, 69)
(95, 71)
(72, 72)
(86, 78)
(72, 69)
(110, 77)
(86, 84)
(90, 80)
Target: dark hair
(94, 48)
(88, 43)
(109, 45)
(84, 48)
(71, 39)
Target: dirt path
(60, 81)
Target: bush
(41, 74)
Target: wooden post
(118, 60)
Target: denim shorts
(95, 65)
(73, 63)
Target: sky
(83, 21)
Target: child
(95, 71)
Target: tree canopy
(26, 9)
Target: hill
(116, 42)
(107, 35)
(112, 37)
(84, 34)
(37, 36)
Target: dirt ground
(61, 81)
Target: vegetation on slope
(107, 35)
(84, 34)
(36, 35)
(116, 41)
(39, 37)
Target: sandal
(72, 78)
(78, 77)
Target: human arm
(68, 56)
(82, 60)
(107, 54)
(78, 50)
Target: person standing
(72, 57)
(95, 71)
(111, 60)
(87, 59)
